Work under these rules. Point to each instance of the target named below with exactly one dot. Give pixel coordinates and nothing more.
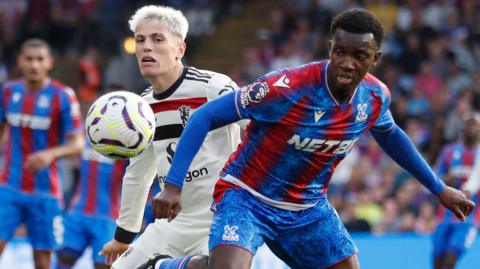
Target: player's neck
(35, 85)
(469, 143)
(165, 81)
(340, 95)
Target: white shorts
(174, 239)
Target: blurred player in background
(42, 122)
(90, 221)
(304, 121)
(176, 92)
(452, 238)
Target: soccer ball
(120, 125)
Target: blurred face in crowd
(35, 62)
(158, 51)
(471, 128)
(351, 57)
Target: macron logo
(282, 82)
(318, 115)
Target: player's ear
(181, 50)
(51, 63)
(330, 46)
(377, 57)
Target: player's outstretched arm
(399, 147)
(210, 116)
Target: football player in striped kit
(304, 121)
(42, 121)
(176, 92)
(453, 238)
(90, 220)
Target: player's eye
(362, 56)
(338, 52)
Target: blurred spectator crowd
(430, 63)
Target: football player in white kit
(176, 92)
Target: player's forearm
(135, 187)
(73, 147)
(399, 147)
(210, 116)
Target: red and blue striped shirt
(457, 161)
(36, 120)
(99, 189)
(299, 132)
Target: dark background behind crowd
(430, 63)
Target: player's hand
(167, 204)
(457, 202)
(38, 160)
(112, 250)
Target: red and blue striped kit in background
(98, 191)
(457, 160)
(37, 120)
(301, 132)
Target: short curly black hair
(358, 21)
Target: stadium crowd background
(430, 63)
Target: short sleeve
(385, 120)
(266, 99)
(220, 85)
(70, 112)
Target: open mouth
(148, 59)
(344, 79)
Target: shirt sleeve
(385, 120)
(136, 183)
(219, 85)
(70, 112)
(263, 100)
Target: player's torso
(31, 114)
(171, 115)
(290, 152)
(459, 161)
(99, 188)
(33, 119)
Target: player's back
(300, 132)
(36, 121)
(98, 190)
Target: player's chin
(149, 71)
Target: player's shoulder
(208, 77)
(452, 146)
(295, 77)
(374, 84)
(10, 84)
(214, 83)
(147, 92)
(62, 88)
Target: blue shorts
(453, 238)
(311, 238)
(42, 217)
(82, 231)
